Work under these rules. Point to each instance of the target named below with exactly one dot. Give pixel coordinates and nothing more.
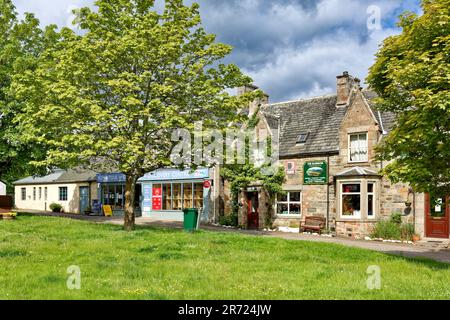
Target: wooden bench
(313, 223)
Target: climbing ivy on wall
(242, 176)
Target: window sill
(289, 216)
(356, 220)
(358, 162)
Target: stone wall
(323, 200)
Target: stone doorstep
(434, 243)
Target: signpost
(315, 173)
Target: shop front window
(167, 197)
(177, 203)
(198, 195)
(351, 200)
(187, 196)
(179, 196)
(290, 203)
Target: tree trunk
(130, 194)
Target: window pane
(282, 208)
(187, 196)
(167, 197)
(437, 207)
(177, 205)
(351, 188)
(63, 194)
(118, 199)
(295, 209)
(351, 205)
(370, 188)
(358, 147)
(294, 196)
(198, 195)
(371, 207)
(283, 197)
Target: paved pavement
(411, 251)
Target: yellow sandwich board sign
(107, 210)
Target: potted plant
(408, 204)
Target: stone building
(327, 148)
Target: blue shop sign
(175, 174)
(111, 178)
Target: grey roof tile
(319, 117)
(60, 176)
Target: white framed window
(371, 204)
(40, 193)
(290, 203)
(45, 193)
(351, 200)
(358, 147)
(34, 193)
(63, 194)
(24, 193)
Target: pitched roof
(319, 117)
(356, 172)
(60, 176)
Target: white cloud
(292, 48)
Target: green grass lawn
(152, 263)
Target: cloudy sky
(292, 48)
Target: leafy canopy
(111, 97)
(412, 77)
(21, 43)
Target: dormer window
(302, 138)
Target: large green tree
(412, 77)
(110, 97)
(21, 43)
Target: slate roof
(60, 176)
(317, 116)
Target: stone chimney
(345, 84)
(253, 107)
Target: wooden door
(253, 207)
(437, 217)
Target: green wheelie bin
(190, 219)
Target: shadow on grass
(420, 259)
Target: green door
(84, 199)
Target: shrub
(394, 229)
(230, 220)
(387, 229)
(396, 218)
(56, 207)
(407, 231)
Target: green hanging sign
(316, 172)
